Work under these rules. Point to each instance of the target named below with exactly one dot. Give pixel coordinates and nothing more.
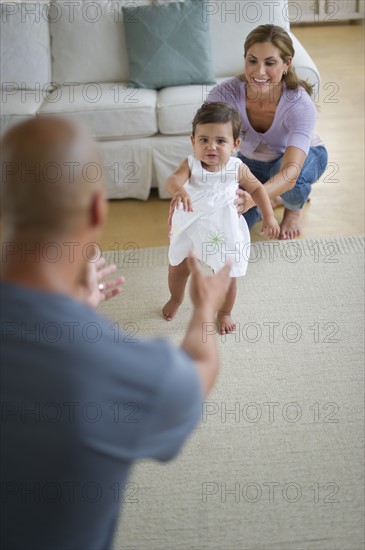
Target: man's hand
(208, 291)
(93, 288)
(207, 294)
(244, 201)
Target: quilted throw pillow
(168, 45)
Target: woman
(279, 144)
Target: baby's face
(213, 144)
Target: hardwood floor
(337, 200)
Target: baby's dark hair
(218, 113)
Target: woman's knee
(323, 161)
(314, 165)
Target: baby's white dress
(213, 229)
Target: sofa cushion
(17, 106)
(87, 41)
(128, 168)
(25, 53)
(176, 107)
(110, 110)
(168, 45)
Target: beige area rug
(278, 460)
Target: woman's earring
(285, 73)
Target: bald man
(79, 403)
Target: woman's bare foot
(290, 226)
(226, 324)
(170, 309)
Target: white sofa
(63, 61)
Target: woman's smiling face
(264, 67)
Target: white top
(214, 230)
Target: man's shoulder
(20, 303)
(42, 324)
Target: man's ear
(98, 209)
(192, 139)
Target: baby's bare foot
(226, 324)
(170, 309)
(290, 226)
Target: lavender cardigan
(293, 124)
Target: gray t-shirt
(81, 401)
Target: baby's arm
(175, 186)
(254, 187)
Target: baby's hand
(183, 197)
(270, 228)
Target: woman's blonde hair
(282, 41)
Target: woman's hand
(181, 196)
(270, 228)
(94, 289)
(244, 201)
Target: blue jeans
(294, 199)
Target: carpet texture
(278, 459)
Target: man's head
(51, 179)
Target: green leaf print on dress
(214, 237)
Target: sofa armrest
(304, 64)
